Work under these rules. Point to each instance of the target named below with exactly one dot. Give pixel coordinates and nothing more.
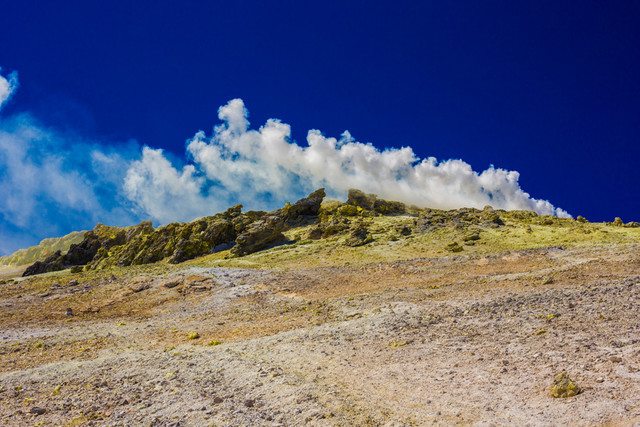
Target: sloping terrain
(44, 249)
(425, 317)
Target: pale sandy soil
(467, 340)
(8, 271)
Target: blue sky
(548, 89)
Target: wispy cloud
(52, 183)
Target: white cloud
(164, 193)
(253, 166)
(7, 86)
(45, 186)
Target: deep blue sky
(547, 88)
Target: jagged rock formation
(253, 231)
(246, 233)
(142, 244)
(101, 237)
(268, 230)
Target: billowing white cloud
(163, 192)
(241, 164)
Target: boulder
(52, 263)
(260, 235)
(359, 236)
(563, 386)
(308, 206)
(268, 230)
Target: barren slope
(396, 332)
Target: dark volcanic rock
(260, 235)
(177, 241)
(142, 244)
(359, 236)
(309, 206)
(52, 263)
(267, 231)
(244, 233)
(327, 229)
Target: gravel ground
(455, 340)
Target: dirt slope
(317, 334)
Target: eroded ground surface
(466, 339)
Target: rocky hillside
(46, 248)
(326, 313)
(246, 233)
(142, 244)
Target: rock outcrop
(268, 230)
(142, 244)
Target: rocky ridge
(248, 232)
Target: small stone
(37, 410)
(171, 283)
(563, 386)
(138, 286)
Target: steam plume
(239, 163)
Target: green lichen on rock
(371, 202)
(563, 387)
(454, 247)
(348, 210)
(358, 236)
(360, 198)
(471, 236)
(268, 230)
